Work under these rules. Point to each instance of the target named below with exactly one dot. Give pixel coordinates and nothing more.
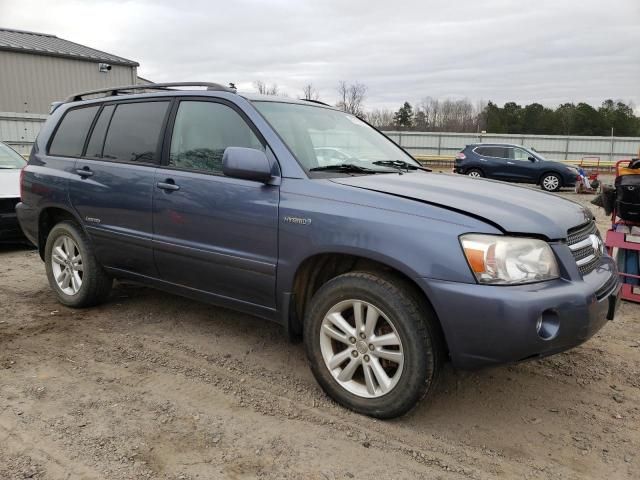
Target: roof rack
(113, 91)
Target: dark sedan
(514, 163)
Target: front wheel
(372, 346)
(74, 274)
(551, 182)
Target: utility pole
(611, 154)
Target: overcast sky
(547, 51)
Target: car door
(214, 233)
(493, 161)
(521, 168)
(112, 189)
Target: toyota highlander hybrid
(385, 270)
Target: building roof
(45, 44)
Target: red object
(593, 174)
(615, 239)
(460, 156)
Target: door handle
(84, 172)
(168, 185)
(511, 163)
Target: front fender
(417, 239)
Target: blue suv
(384, 269)
(514, 163)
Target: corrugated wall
(20, 129)
(29, 83)
(554, 147)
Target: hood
(511, 208)
(10, 183)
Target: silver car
(11, 163)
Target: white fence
(20, 130)
(553, 147)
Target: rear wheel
(371, 345)
(550, 182)
(74, 274)
(475, 173)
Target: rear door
(112, 188)
(493, 161)
(214, 233)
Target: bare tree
(264, 89)
(310, 93)
(450, 115)
(351, 97)
(380, 118)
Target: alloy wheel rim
(361, 348)
(474, 174)
(550, 183)
(67, 265)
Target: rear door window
(496, 152)
(69, 138)
(134, 132)
(96, 141)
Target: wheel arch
(547, 172)
(468, 169)
(317, 269)
(48, 218)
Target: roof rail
(315, 101)
(113, 91)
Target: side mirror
(532, 159)
(246, 163)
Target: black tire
(550, 182)
(414, 323)
(96, 284)
(475, 172)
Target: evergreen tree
(403, 118)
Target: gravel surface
(155, 386)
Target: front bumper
(485, 325)
(569, 180)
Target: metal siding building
(30, 82)
(37, 69)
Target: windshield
(322, 137)
(9, 158)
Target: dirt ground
(154, 386)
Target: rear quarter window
(69, 138)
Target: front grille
(8, 205)
(586, 246)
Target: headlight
(502, 260)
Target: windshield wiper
(401, 164)
(347, 168)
